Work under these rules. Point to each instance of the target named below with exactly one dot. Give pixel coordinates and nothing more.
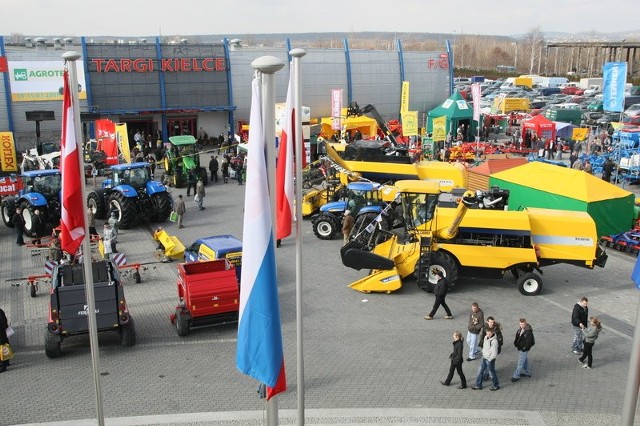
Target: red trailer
(209, 294)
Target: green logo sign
(20, 74)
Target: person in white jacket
(489, 355)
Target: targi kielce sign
(164, 65)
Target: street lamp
(515, 59)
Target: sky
(191, 17)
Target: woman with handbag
(4, 343)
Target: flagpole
(299, 152)
(633, 378)
(72, 57)
(269, 65)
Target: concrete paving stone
(369, 358)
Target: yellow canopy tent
(367, 126)
(537, 184)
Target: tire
(27, 215)
(126, 209)
(163, 204)
(325, 227)
(182, 324)
(52, 345)
(445, 263)
(530, 284)
(95, 201)
(33, 289)
(136, 277)
(128, 334)
(8, 207)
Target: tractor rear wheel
(163, 204)
(8, 207)
(126, 209)
(95, 201)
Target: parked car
(596, 105)
(632, 111)
(590, 118)
(631, 121)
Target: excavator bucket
(354, 255)
(379, 282)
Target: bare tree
(533, 43)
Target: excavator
(475, 238)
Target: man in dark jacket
(579, 319)
(4, 339)
(38, 227)
(191, 181)
(18, 223)
(523, 342)
(213, 168)
(440, 292)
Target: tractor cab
(135, 174)
(181, 158)
(45, 182)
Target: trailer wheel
(52, 345)
(325, 227)
(530, 284)
(182, 324)
(128, 334)
(33, 289)
(136, 277)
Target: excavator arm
(371, 111)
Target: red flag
(72, 224)
(284, 168)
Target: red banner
(106, 137)
(4, 66)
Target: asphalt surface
(368, 358)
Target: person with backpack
(523, 342)
(497, 330)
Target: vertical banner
(439, 128)
(615, 78)
(106, 137)
(404, 98)
(336, 109)
(8, 159)
(475, 96)
(123, 141)
(410, 123)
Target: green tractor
(182, 157)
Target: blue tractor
(41, 191)
(363, 200)
(131, 194)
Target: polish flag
(284, 167)
(260, 351)
(72, 224)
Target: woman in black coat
(4, 324)
(456, 362)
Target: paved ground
(369, 359)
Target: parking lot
(369, 358)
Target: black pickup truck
(68, 306)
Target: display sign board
(40, 81)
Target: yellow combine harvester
(472, 240)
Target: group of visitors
(484, 340)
